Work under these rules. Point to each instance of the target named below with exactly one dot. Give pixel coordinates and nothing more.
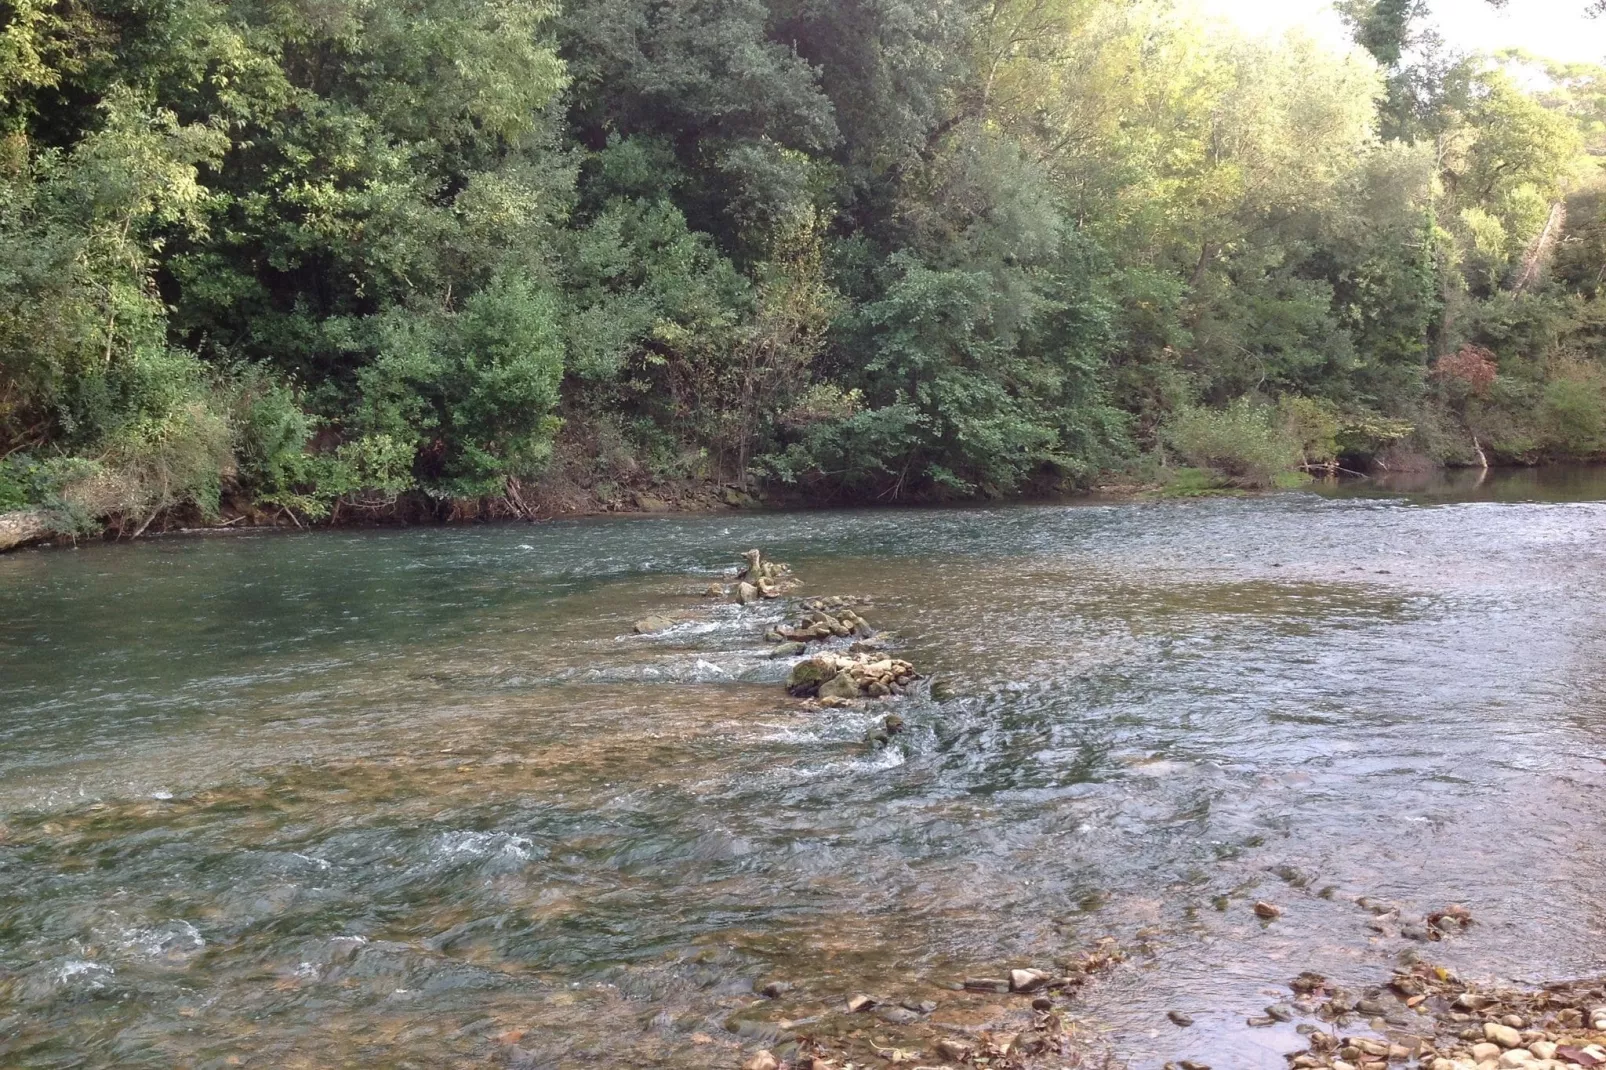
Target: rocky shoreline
(1428, 1014)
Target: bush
(271, 433)
(472, 393)
(1245, 443)
(1572, 415)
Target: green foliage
(1244, 444)
(473, 391)
(320, 257)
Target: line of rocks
(842, 678)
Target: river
(419, 798)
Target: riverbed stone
(746, 593)
(1180, 1019)
(1543, 1049)
(789, 650)
(764, 1060)
(1501, 1034)
(807, 676)
(842, 685)
(1026, 981)
(649, 625)
(956, 1051)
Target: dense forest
(333, 258)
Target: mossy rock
(807, 676)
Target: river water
(419, 798)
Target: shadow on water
(420, 798)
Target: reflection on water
(419, 798)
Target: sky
(1554, 28)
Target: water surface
(419, 798)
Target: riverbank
(569, 499)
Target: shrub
(1245, 443)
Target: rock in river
(837, 676)
(649, 625)
(1027, 980)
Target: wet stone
(1178, 1018)
(898, 1015)
(1026, 981)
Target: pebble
(1503, 1035)
(1281, 1012)
(775, 989)
(1513, 1020)
(954, 1050)
(860, 1004)
(1178, 1018)
(1483, 1053)
(986, 984)
(1267, 910)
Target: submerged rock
(649, 625)
(789, 650)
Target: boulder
(649, 625)
(807, 676)
(23, 526)
(842, 685)
(746, 593)
(789, 650)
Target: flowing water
(419, 798)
